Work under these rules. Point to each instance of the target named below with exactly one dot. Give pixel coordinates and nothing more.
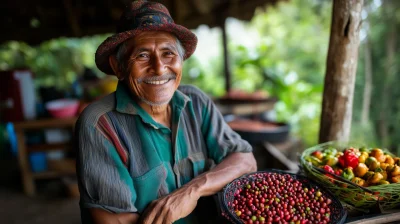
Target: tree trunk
(367, 84)
(340, 73)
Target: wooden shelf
(51, 174)
(57, 169)
(46, 123)
(48, 147)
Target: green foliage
(55, 62)
(288, 62)
(385, 101)
(208, 78)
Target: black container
(275, 135)
(338, 213)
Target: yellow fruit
(395, 171)
(368, 175)
(370, 160)
(389, 160)
(383, 182)
(389, 168)
(362, 159)
(395, 179)
(375, 178)
(378, 154)
(358, 181)
(360, 170)
(365, 154)
(374, 165)
(384, 166)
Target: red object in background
(17, 96)
(63, 108)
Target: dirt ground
(50, 205)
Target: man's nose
(158, 65)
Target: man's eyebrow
(139, 50)
(169, 47)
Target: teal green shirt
(126, 159)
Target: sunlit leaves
(289, 61)
(56, 62)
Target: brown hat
(138, 17)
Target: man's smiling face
(154, 67)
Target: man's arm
(182, 202)
(232, 167)
(100, 216)
(101, 174)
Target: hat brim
(187, 38)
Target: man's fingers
(148, 215)
(162, 214)
(148, 219)
(167, 216)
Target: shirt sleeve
(220, 138)
(103, 178)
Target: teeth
(157, 82)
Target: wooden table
(242, 107)
(392, 216)
(28, 177)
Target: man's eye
(169, 53)
(143, 55)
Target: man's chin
(158, 103)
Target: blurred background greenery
(281, 50)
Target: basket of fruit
(275, 196)
(362, 177)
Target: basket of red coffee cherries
(276, 196)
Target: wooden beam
(72, 18)
(341, 69)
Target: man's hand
(183, 201)
(172, 207)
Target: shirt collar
(125, 103)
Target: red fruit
(277, 196)
(317, 154)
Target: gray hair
(122, 49)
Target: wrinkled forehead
(152, 39)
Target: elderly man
(151, 149)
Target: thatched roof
(36, 21)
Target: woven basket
(338, 213)
(384, 196)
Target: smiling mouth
(161, 82)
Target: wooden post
(226, 56)
(26, 173)
(340, 73)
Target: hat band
(145, 20)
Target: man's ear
(112, 60)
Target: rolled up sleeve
(103, 178)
